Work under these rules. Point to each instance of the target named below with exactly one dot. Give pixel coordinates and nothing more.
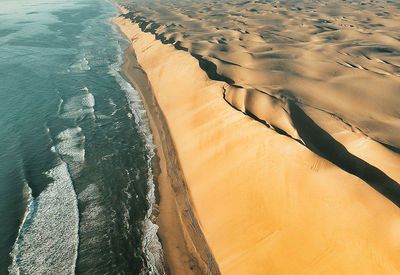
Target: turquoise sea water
(76, 182)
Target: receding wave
(151, 245)
(54, 250)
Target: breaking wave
(54, 250)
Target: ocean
(76, 178)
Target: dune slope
(338, 57)
(278, 185)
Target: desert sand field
(285, 119)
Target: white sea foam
(112, 103)
(60, 105)
(126, 210)
(100, 117)
(71, 144)
(93, 219)
(27, 195)
(88, 101)
(151, 244)
(114, 106)
(85, 89)
(81, 65)
(47, 241)
(69, 132)
(79, 106)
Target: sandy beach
(185, 250)
(278, 135)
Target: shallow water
(76, 182)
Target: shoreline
(183, 247)
(179, 241)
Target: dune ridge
(310, 52)
(278, 184)
(273, 109)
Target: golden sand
(338, 57)
(185, 250)
(288, 154)
(266, 203)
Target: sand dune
(286, 123)
(341, 57)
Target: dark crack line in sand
(210, 69)
(318, 141)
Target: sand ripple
(339, 57)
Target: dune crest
(279, 179)
(337, 57)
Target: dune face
(285, 118)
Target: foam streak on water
(54, 250)
(79, 106)
(151, 244)
(81, 65)
(72, 144)
(80, 135)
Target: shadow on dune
(324, 145)
(314, 137)
(390, 147)
(207, 66)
